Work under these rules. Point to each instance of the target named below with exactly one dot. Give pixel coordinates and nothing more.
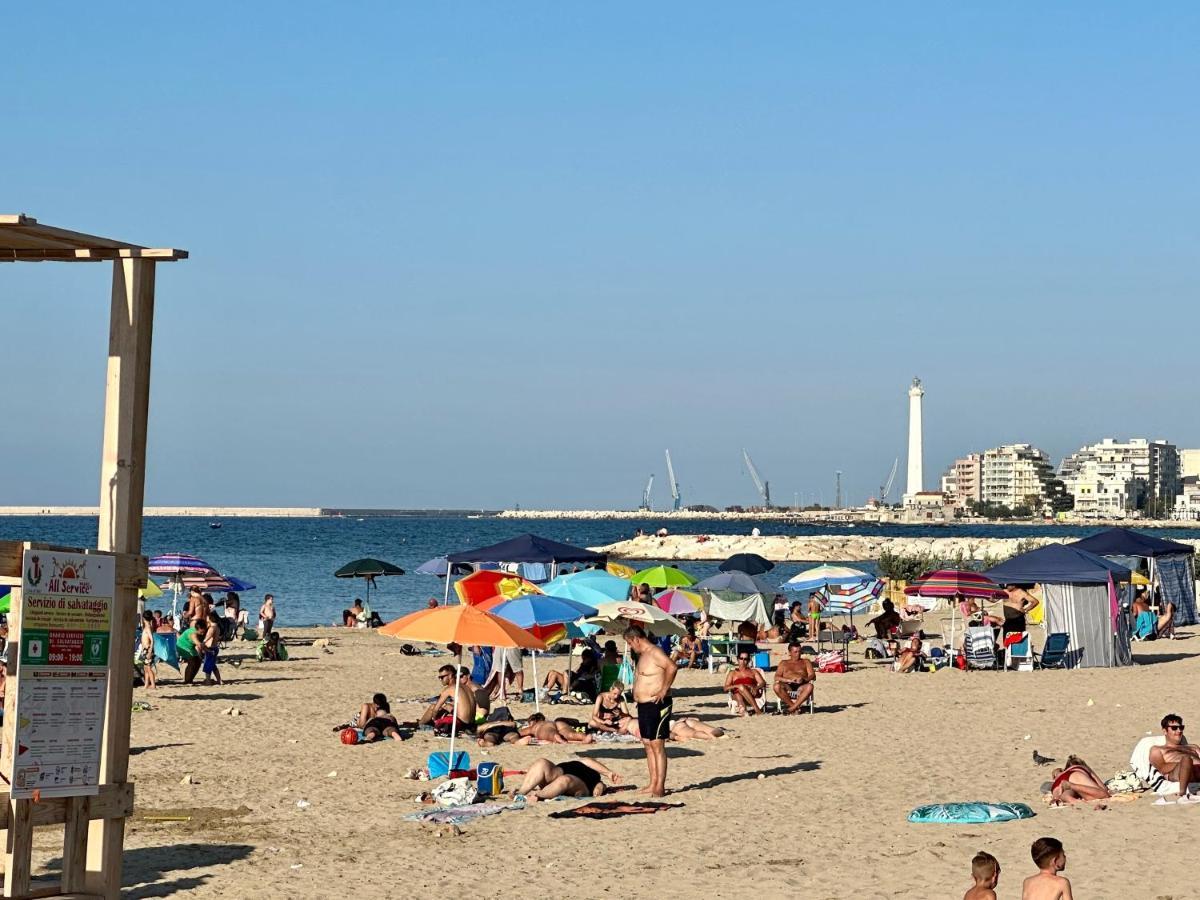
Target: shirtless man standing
(652, 692)
(794, 679)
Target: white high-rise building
(1117, 478)
(916, 473)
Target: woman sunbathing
(560, 731)
(381, 723)
(688, 728)
(573, 778)
(1077, 782)
(745, 685)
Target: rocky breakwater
(816, 548)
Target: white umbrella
(652, 620)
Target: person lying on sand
(573, 778)
(441, 710)
(560, 731)
(745, 685)
(687, 728)
(501, 731)
(1077, 782)
(794, 680)
(382, 724)
(609, 710)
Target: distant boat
(214, 524)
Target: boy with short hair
(1050, 858)
(985, 869)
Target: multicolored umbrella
(823, 576)
(463, 625)
(663, 577)
(678, 602)
(851, 599)
(547, 614)
(480, 586)
(948, 582)
(216, 583)
(176, 564)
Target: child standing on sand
(985, 869)
(1050, 858)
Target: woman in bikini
(573, 778)
(1077, 782)
(610, 710)
(745, 685)
(381, 724)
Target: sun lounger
(1054, 653)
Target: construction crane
(646, 493)
(886, 487)
(764, 487)
(675, 496)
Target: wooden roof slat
(24, 239)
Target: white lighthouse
(916, 474)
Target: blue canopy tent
(1170, 565)
(1080, 592)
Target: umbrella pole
(537, 690)
(446, 591)
(454, 720)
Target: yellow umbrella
(150, 592)
(621, 571)
(462, 624)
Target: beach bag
(875, 649)
(455, 792)
(831, 662)
(1126, 782)
(489, 779)
(439, 763)
(625, 673)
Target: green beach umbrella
(369, 569)
(662, 577)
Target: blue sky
(473, 255)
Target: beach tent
(1170, 563)
(1080, 593)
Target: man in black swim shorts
(653, 676)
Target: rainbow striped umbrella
(678, 602)
(851, 599)
(948, 582)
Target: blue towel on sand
(970, 813)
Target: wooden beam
(10, 558)
(88, 254)
(122, 493)
(18, 848)
(115, 801)
(75, 835)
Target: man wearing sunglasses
(1177, 760)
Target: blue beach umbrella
(591, 586)
(532, 610)
(735, 583)
(823, 576)
(440, 566)
(846, 601)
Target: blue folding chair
(1054, 653)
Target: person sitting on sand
(380, 723)
(610, 710)
(910, 656)
(985, 872)
(574, 778)
(560, 731)
(1077, 781)
(794, 680)
(351, 616)
(745, 685)
(1175, 761)
(582, 681)
(687, 650)
(1050, 858)
(440, 712)
(271, 649)
(886, 620)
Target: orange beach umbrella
(460, 625)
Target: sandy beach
(813, 806)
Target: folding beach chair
(980, 648)
(1054, 653)
(1018, 653)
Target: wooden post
(18, 843)
(122, 492)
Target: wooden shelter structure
(94, 825)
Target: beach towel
(1139, 761)
(462, 815)
(605, 737)
(1146, 625)
(612, 809)
(973, 813)
(165, 650)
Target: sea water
(295, 558)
